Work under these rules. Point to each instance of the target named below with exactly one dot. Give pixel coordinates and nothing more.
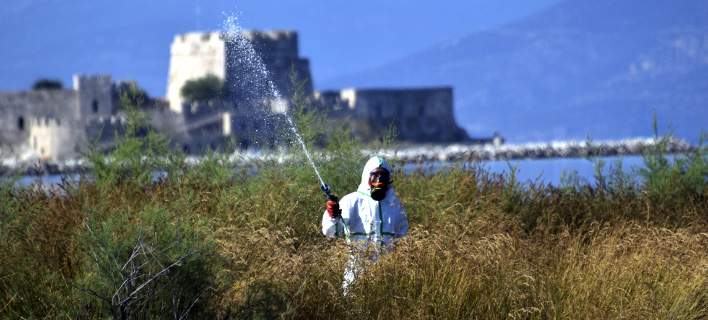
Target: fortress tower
(96, 96)
(192, 56)
(197, 54)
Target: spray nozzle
(327, 191)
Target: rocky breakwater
(542, 150)
(410, 154)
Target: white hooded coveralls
(367, 224)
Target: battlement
(192, 37)
(90, 82)
(275, 43)
(111, 120)
(273, 35)
(46, 122)
(251, 35)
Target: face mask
(379, 180)
(378, 194)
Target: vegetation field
(213, 241)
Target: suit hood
(373, 163)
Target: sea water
(545, 171)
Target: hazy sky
(130, 38)
(345, 36)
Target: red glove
(333, 209)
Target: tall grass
(212, 241)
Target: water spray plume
(257, 75)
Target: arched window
(94, 106)
(21, 123)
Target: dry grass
(480, 247)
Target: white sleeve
(333, 228)
(329, 225)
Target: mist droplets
(251, 83)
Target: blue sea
(546, 171)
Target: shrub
(47, 84)
(140, 153)
(670, 181)
(146, 264)
(206, 88)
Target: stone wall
(18, 112)
(222, 124)
(418, 114)
(54, 139)
(53, 122)
(204, 126)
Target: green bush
(146, 264)
(206, 88)
(140, 153)
(668, 177)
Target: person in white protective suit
(370, 219)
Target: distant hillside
(581, 68)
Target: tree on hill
(206, 88)
(47, 84)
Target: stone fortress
(195, 55)
(61, 124)
(419, 115)
(54, 123)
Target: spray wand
(327, 191)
